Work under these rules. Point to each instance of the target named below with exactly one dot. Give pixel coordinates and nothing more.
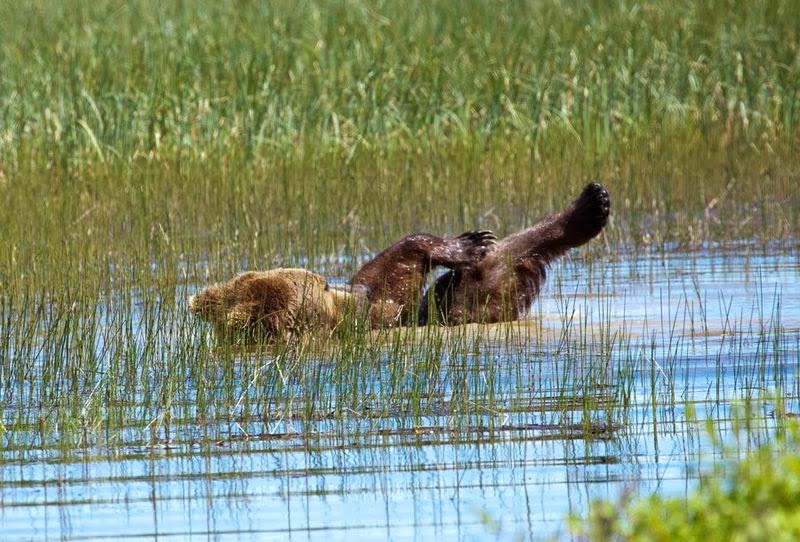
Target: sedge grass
(101, 81)
(131, 134)
(148, 150)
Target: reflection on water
(589, 399)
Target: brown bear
(502, 285)
(487, 281)
(272, 303)
(395, 278)
(388, 288)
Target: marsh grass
(153, 376)
(149, 150)
(214, 79)
(248, 135)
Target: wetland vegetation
(149, 149)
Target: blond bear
(279, 302)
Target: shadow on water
(465, 432)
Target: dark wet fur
(503, 284)
(396, 277)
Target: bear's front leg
(467, 249)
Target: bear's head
(278, 302)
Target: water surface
(501, 432)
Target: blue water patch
(483, 431)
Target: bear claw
(477, 243)
(594, 203)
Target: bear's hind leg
(587, 215)
(582, 220)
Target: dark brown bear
(486, 282)
(395, 278)
(503, 284)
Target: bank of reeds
(149, 149)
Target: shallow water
(500, 437)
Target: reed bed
(138, 371)
(150, 149)
(98, 81)
(193, 140)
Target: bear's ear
(203, 303)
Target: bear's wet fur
(386, 290)
(396, 277)
(503, 284)
(488, 281)
(278, 302)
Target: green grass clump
(756, 498)
(102, 80)
(192, 140)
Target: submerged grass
(142, 371)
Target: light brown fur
(274, 303)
